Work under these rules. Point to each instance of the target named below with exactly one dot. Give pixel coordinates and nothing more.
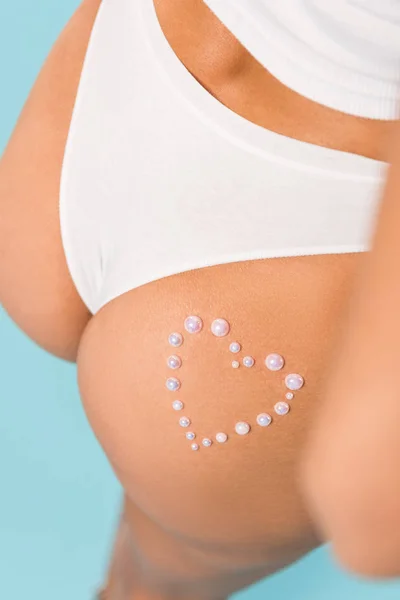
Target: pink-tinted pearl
(242, 428)
(173, 384)
(294, 381)
(175, 339)
(221, 437)
(235, 347)
(282, 408)
(289, 396)
(193, 324)
(274, 362)
(248, 361)
(177, 405)
(220, 327)
(194, 446)
(264, 419)
(174, 362)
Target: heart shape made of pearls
(274, 362)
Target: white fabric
(160, 178)
(344, 54)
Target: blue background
(58, 498)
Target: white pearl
(175, 339)
(248, 361)
(220, 327)
(221, 438)
(184, 422)
(274, 362)
(173, 384)
(177, 405)
(206, 442)
(289, 396)
(174, 362)
(190, 435)
(194, 446)
(235, 364)
(282, 408)
(235, 347)
(242, 428)
(193, 324)
(294, 381)
(264, 419)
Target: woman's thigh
(150, 562)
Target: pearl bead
(190, 435)
(193, 324)
(274, 362)
(282, 408)
(242, 428)
(235, 347)
(235, 364)
(177, 405)
(175, 339)
(206, 442)
(174, 362)
(264, 419)
(221, 438)
(173, 384)
(220, 327)
(194, 446)
(184, 422)
(248, 361)
(289, 396)
(294, 381)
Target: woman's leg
(148, 563)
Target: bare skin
(357, 458)
(191, 528)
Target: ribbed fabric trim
(306, 68)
